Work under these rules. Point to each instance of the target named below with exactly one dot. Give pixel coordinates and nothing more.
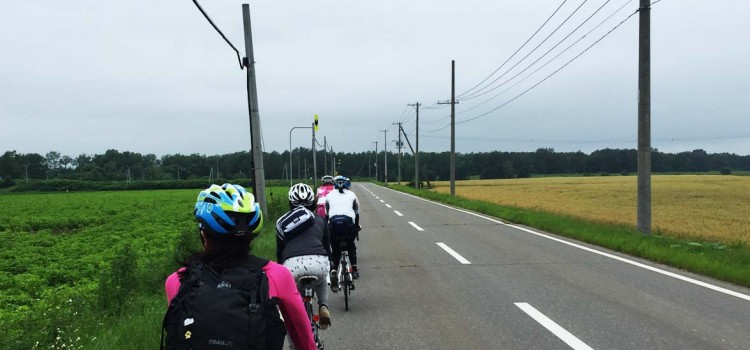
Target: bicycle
(307, 289)
(345, 280)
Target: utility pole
(453, 126)
(398, 144)
(259, 181)
(644, 119)
(315, 161)
(27, 172)
(385, 155)
(416, 153)
(376, 160)
(325, 155)
(333, 162)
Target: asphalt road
(435, 277)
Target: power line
(552, 74)
(529, 54)
(514, 54)
(220, 33)
(540, 57)
(585, 141)
(549, 61)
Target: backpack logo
(208, 301)
(227, 343)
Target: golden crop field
(706, 207)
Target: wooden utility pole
(259, 181)
(416, 153)
(453, 127)
(398, 144)
(315, 160)
(385, 155)
(644, 119)
(376, 160)
(325, 156)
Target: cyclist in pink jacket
(228, 219)
(323, 191)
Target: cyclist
(228, 219)
(342, 207)
(303, 244)
(323, 191)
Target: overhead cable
(514, 54)
(550, 60)
(540, 57)
(220, 33)
(528, 54)
(551, 74)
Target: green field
(86, 269)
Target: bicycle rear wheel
(346, 294)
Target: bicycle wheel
(345, 279)
(346, 294)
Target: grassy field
(700, 207)
(86, 270)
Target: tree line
(114, 165)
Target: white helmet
(301, 195)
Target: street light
(290, 149)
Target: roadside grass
(730, 262)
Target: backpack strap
(193, 274)
(257, 301)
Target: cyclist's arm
(327, 239)
(355, 206)
(172, 285)
(279, 249)
(281, 285)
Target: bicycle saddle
(308, 279)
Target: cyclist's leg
(297, 266)
(335, 256)
(352, 249)
(320, 267)
(335, 253)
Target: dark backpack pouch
(293, 223)
(340, 226)
(227, 310)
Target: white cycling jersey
(346, 203)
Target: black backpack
(341, 226)
(227, 310)
(293, 223)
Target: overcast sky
(84, 76)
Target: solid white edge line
(398, 213)
(553, 327)
(627, 261)
(453, 253)
(416, 226)
(388, 206)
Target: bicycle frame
(345, 275)
(306, 286)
